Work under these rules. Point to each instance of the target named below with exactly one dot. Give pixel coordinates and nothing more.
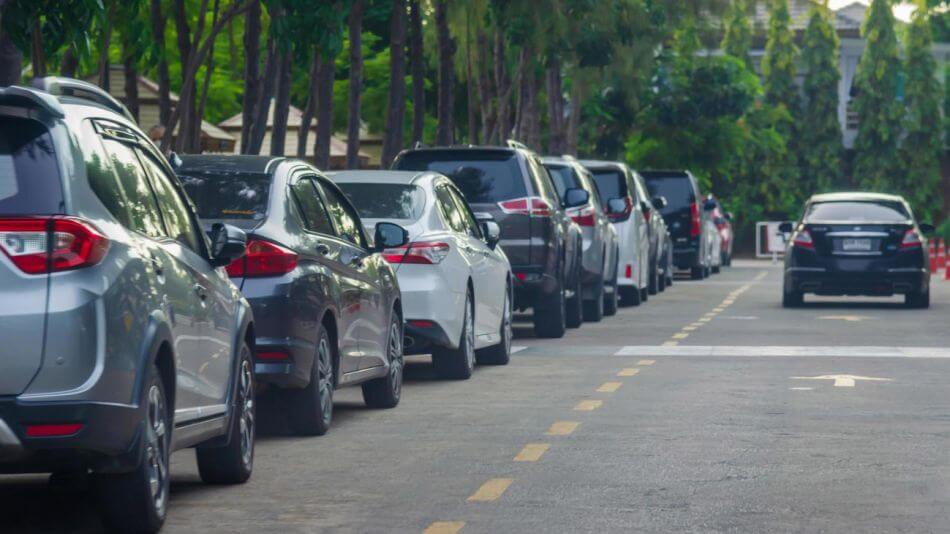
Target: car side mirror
(389, 235)
(616, 205)
(492, 233)
(926, 228)
(786, 227)
(709, 205)
(227, 244)
(660, 202)
(575, 197)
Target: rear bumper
(293, 371)
(530, 284)
(107, 442)
(686, 257)
(421, 339)
(821, 281)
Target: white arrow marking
(842, 381)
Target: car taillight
(911, 240)
(694, 220)
(38, 245)
(803, 240)
(627, 210)
(263, 258)
(53, 431)
(532, 206)
(583, 216)
(420, 253)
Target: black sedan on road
(327, 303)
(857, 244)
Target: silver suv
(121, 337)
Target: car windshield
(386, 201)
(610, 183)
(564, 178)
(675, 188)
(483, 176)
(29, 174)
(240, 198)
(856, 211)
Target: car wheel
(661, 283)
(792, 299)
(919, 300)
(644, 294)
(385, 392)
(499, 354)
(550, 314)
(458, 364)
(696, 273)
(138, 501)
(715, 269)
(653, 286)
(630, 296)
(611, 297)
(575, 304)
(594, 309)
(311, 408)
(233, 463)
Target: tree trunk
(522, 95)
(418, 68)
(195, 146)
(37, 51)
(321, 148)
(278, 135)
(104, 50)
(262, 107)
(483, 86)
(11, 59)
(252, 59)
(187, 99)
(472, 106)
(574, 120)
(556, 142)
(69, 63)
(311, 108)
(131, 76)
(532, 126)
(164, 81)
(356, 86)
(396, 111)
(445, 132)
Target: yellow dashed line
(689, 328)
(491, 490)
(705, 319)
(628, 372)
(681, 335)
(444, 527)
(588, 405)
(562, 428)
(609, 387)
(646, 362)
(719, 310)
(696, 325)
(532, 452)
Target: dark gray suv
(123, 338)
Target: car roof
(378, 177)
(856, 196)
(676, 173)
(600, 164)
(462, 148)
(221, 163)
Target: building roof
(847, 18)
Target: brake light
(803, 240)
(75, 243)
(583, 216)
(694, 220)
(273, 356)
(911, 240)
(419, 253)
(629, 271)
(419, 323)
(263, 258)
(53, 431)
(627, 210)
(531, 206)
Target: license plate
(856, 245)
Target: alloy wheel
(246, 402)
(156, 450)
(396, 358)
(506, 333)
(325, 379)
(469, 336)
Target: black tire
(697, 273)
(727, 259)
(499, 354)
(917, 300)
(310, 409)
(385, 392)
(662, 283)
(792, 299)
(550, 314)
(630, 295)
(137, 501)
(644, 294)
(575, 304)
(459, 363)
(611, 296)
(653, 286)
(594, 309)
(716, 269)
(234, 462)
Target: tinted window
(450, 212)
(141, 205)
(174, 212)
(468, 220)
(311, 205)
(483, 176)
(678, 191)
(29, 176)
(611, 184)
(563, 177)
(386, 201)
(857, 211)
(347, 224)
(241, 198)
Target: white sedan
(455, 279)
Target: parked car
(723, 221)
(641, 238)
(455, 279)
(688, 218)
(543, 244)
(599, 257)
(127, 340)
(857, 244)
(327, 302)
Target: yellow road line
(671, 343)
(705, 319)
(646, 362)
(562, 428)
(681, 335)
(628, 372)
(491, 490)
(532, 452)
(696, 325)
(719, 310)
(690, 328)
(444, 527)
(588, 405)
(609, 387)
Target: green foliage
(738, 35)
(821, 155)
(61, 22)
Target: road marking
(680, 335)
(588, 405)
(740, 317)
(696, 325)
(491, 490)
(517, 348)
(628, 372)
(609, 387)
(847, 318)
(842, 381)
(784, 351)
(670, 343)
(646, 362)
(562, 428)
(690, 328)
(801, 389)
(444, 527)
(532, 452)
(719, 309)
(705, 319)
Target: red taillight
(583, 216)
(629, 271)
(521, 276)
(532, 206)
(420, 253)
(75, 243)
(53, 431)
(911, 240)
(803, 240)
(627, 210)
(263, 258)
(273, 356)
(694, 220)
(418, 323)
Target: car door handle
(322, 249)
(201, 291)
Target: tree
(923, 144)
(354, 121)
(418, 69)
(157, 19)
(395, 113)
(41, 28)
(738, 36)
(879, 113)
(779, 71)
(252, 80)
(821, 155)
(445, 134)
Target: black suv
(543, 244)
(688, 219)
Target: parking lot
(710, 409)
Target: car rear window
(29, 175)
(857, 211)
(564, 178)
(386, 201)
(677, 189)
(611, 184)
(241, 198)
(483, 176)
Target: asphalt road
(710, 408)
